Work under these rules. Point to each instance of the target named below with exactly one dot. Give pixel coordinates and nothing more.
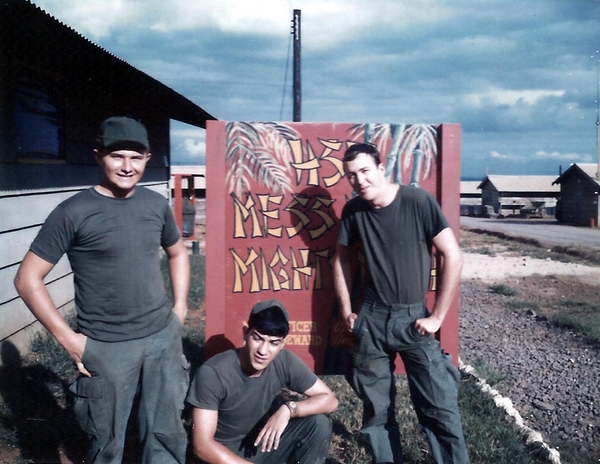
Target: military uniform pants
(153, 366)
(381, 332)
(304, 441)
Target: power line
(287, 67)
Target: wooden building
(56, 87)
(470, 198)
(508, 194)
(579, 192)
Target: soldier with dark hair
(235, 418)
(396, 228)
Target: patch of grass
(35, 420)
(473, 240)
(490, 437)
(197, 281)
(8, 429)
(580, 316)
(484, 251)
(523, 305)
(476, 239)
(589, 256)
(47, 353)
(193, 346)
(502, 289)
(345, 444)
(484, 371)
(572, 453)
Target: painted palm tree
(259, 152)
(420, 141)
(416, 143)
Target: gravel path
(550, 374)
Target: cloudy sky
(521, 77)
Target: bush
(502, 289)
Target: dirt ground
(546, 280)
(536, 279)
(549, 372)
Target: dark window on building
(37, 123)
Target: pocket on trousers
(365, 313)
(89, 387)
(453, 371)
(405, 332)
(90, 406)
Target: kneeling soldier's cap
(262, 305)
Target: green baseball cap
(122, 132)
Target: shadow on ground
(37, 410)
(36, 413)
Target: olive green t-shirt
(242, 401)
(396, 241)
(113, 247)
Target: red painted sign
(275, 193)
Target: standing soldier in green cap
(128, 338)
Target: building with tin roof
(56, 87)
(508, 194)
(579, 193)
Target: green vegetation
(490, 437)
(580, 316)
(197, 281)
(493, 243)
(523, 305)
(502, 289)
(487, 373)
(485, 251)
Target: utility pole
(598, 121)
(297, 78)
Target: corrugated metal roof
(589, 169)
(522, 184)
(73, 31)
(468, 187)
(29, 31)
